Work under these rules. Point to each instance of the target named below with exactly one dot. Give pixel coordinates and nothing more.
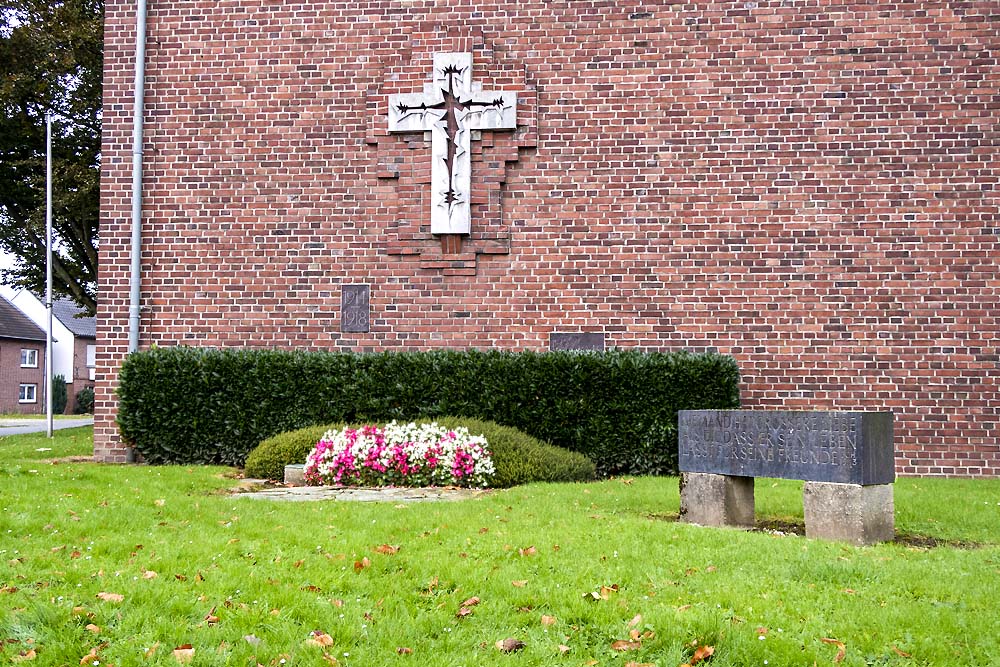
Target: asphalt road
(19, 426)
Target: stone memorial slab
(576, 341)
(355, 311)
(847, 460)
(842, 447)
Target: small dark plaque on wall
(355, 316)
(842, 447)
(576, 341)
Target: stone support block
(295, 475)
(717, 500)
(849, 512)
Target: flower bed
(400, 455)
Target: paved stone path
(384, 495)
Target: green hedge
(194, 405)
(517, 457)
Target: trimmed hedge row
(517, 457)
(195, 405)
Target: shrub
(84, 401)
(268, 460)
(59, 397)
(191, 405)
(518, 458)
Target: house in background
(74, 339)
(22, 362)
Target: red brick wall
(808, 186)
(12, 375)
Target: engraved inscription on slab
(576, 341)
(355, 315)
(843, 447)
(451, 107)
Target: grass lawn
(123, 565)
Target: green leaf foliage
(59, 396)
(51, 62)
(517, 457)
(84, 401)
(619, 408)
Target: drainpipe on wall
(135, 273)
(137, 113)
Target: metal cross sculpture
(451, 107)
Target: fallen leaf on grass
(623, 645)
(90, 627)
(180, 577)
(159, 502)
(110, 597)
(900, 653)
(530, 551)
(548, 620)
(636, 620)
(184, 653)
(321, 639)
(149, 574)
(520, 583)
(471, 602)
(327, 657)
(701, 654)
(151, 651)
(90, 657)
(564, 649)
(606, 591)
(387, 549)
(841, 649)
(24, 656)
(361, 564)
(463, 612)
(211, 617)
(633, 663)
(510, 645)
(404, 650)
(684, 607)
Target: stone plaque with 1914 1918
(355, 312)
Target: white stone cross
(450, 107)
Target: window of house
(29, 358)
(27, 393)
(92, 360)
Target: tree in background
(51, 55)
(59, 395)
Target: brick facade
(808, 186)
(12, 376)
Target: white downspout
(137, 117)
